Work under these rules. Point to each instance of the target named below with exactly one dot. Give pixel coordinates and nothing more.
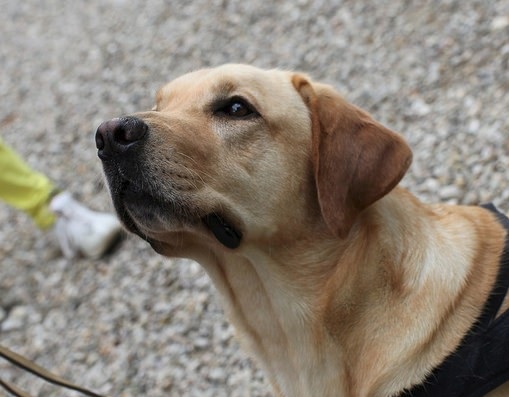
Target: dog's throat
(223, 231)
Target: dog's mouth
(224, 232)
(142, 212)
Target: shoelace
(29, 366)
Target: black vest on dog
(481, 362)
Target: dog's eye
(235, 108)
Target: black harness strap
(481, 362)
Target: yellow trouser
(24, 188)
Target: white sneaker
(80, 230)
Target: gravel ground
(137, 324)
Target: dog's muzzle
(119, 144)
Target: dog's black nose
(117, 136)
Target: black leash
(29, 366)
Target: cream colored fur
(334, 292)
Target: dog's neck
(362, 306)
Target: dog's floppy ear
(356, 160)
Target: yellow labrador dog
(339, 282)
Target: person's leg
(24, 188)
(79, 230)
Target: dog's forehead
(224, 81)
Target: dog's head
(236, 154)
